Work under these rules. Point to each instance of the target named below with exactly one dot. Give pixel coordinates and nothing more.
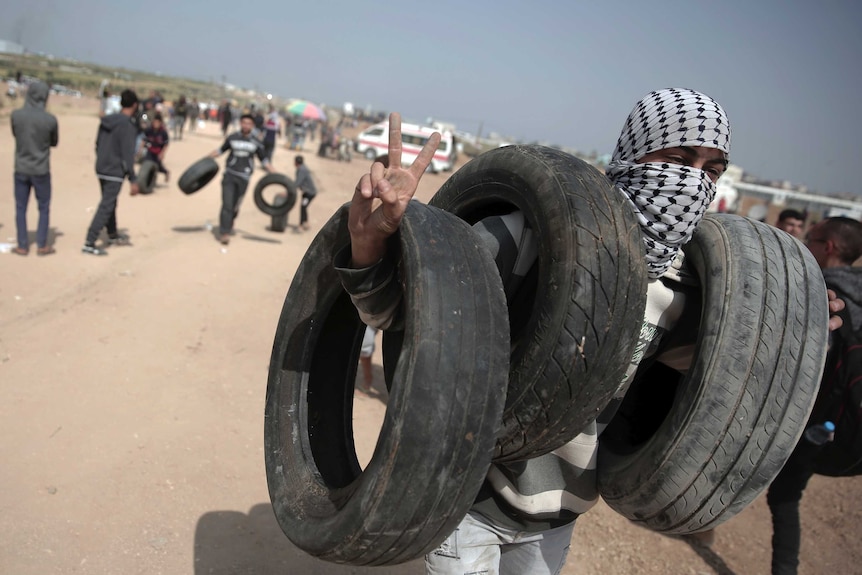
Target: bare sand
(132, 392)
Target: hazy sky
(789, 73)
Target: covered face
(672, 148)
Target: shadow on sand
(232, 543)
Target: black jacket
(35, 131)
(115, 148)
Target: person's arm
(128, 153)
(264, 160)
(55, 134)
(165, 146)
(367, 267)
(224, 148)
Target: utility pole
(479, 132)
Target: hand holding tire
(836, 304)
(371, 223)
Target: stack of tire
(475, 379)
(204, 170)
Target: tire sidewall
(324, 502)
(524, 178)
(273, 209)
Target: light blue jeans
(481, 548)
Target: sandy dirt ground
(132, 393)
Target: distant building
(8, 47)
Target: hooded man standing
(243, 146)
(35, 132)
(115, 161)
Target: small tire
(275, 209)
(198, 175)
(576, 319)
(444, 405)
(685, 452)
(147, 177)
(370, 154)
(279, 223)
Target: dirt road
(132, 390)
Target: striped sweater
(553, 489)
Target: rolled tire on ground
(444, 407)
(275, 209)
(686, 452)
(198, 175)
(279, 223)
(147, 176)
(577, 316)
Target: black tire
(198, 175)
(575, 321)
(275, 209)
(147, 177)
(685, 452)
(443, 411)
(279, 223)
(370, 153)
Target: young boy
(156, 144)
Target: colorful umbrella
(305, 109)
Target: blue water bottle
(820, 434)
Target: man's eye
(676, 160)
(714, 173)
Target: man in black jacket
(115, 161)
(243, 147)
(35, 132)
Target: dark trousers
(106, 213)
(232, 191)
(179, 124)
(42, 186)
(268, 149)
(783, 499)
(303, 208)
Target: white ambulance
(374, 142)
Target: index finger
(424, 158)
(395, 140)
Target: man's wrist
(366, 253)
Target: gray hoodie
(35, 131)
(115, 148)
(847, 282)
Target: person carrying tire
(672, 149)
(156, 144)
(243, 148)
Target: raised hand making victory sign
(382, 195)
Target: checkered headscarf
(669, 200)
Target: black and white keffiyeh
(669, 200)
